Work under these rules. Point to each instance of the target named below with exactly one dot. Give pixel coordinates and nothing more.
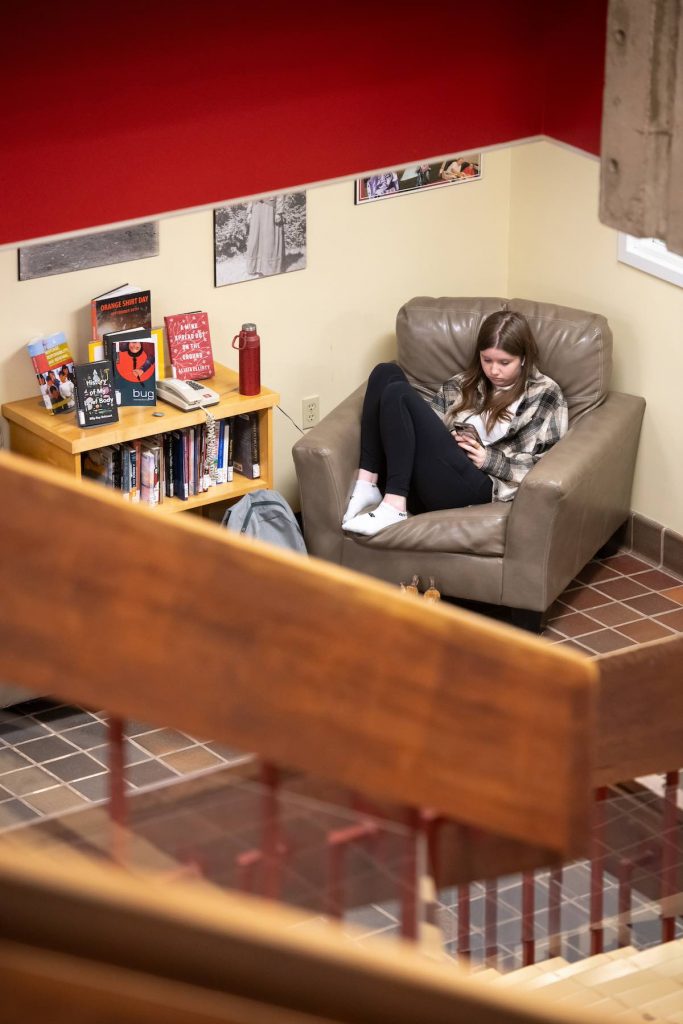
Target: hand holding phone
(467, 430)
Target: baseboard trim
(652, 541)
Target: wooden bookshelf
(60, 442)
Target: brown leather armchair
(522, 553)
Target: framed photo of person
(261, 238)
(452, 170)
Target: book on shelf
(230, 436)
(221, 452)
(133, 355)
(178, 464)
(149, 494)
(245, 435)
(224, 468)
(53, 365)
(125, 472)
(95, 393)
(94, 465)
(136, 469)
(129, 483)
(180, 488)
(169, 471)
(158, 339)
(201, 459)
(152, 489)
(96, 351)
(189, 345)
(120, 309)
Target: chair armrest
(571, 503)
(326, 461)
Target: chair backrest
(436, 338)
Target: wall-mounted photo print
(418, 177)
(98, 249)
(261, 238)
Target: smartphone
(467, 429)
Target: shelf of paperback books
(171, 477)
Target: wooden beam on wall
(315, 667)
(642, 127)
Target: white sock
(371, 523)
(364, 495)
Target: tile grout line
(555, 623)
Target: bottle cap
(248, 327)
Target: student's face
(500, 367)
(134, 347)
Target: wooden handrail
(83, 942)
(315, 667)
(640, 711)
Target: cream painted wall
(321, 329)
(560, 252)
(529, 228)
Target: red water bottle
(249, 345)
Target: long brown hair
(510, 332)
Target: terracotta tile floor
(53, 758)
(615, 603)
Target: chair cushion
(475, 530)
(575, 349)
(436, 338)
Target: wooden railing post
(596, 871)
(117, 789)
(555, 912)
(491, 922)
(528, 936)
(669, 854)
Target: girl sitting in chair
(484, 431)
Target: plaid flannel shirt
(539, 422)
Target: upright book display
(133, 356)
(121, 309)
(95, 393)
(189, 345)
(111, 452)
(54, 369)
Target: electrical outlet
(310, 411)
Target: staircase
(467, 751)
(627, 984)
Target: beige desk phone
(187, 395)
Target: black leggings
(405, 442)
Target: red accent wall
(113, 112)
(574, 71)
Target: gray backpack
(267, 516)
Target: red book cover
(189, 345)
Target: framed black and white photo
(418, 177)
(261, 238)
(99, 249)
